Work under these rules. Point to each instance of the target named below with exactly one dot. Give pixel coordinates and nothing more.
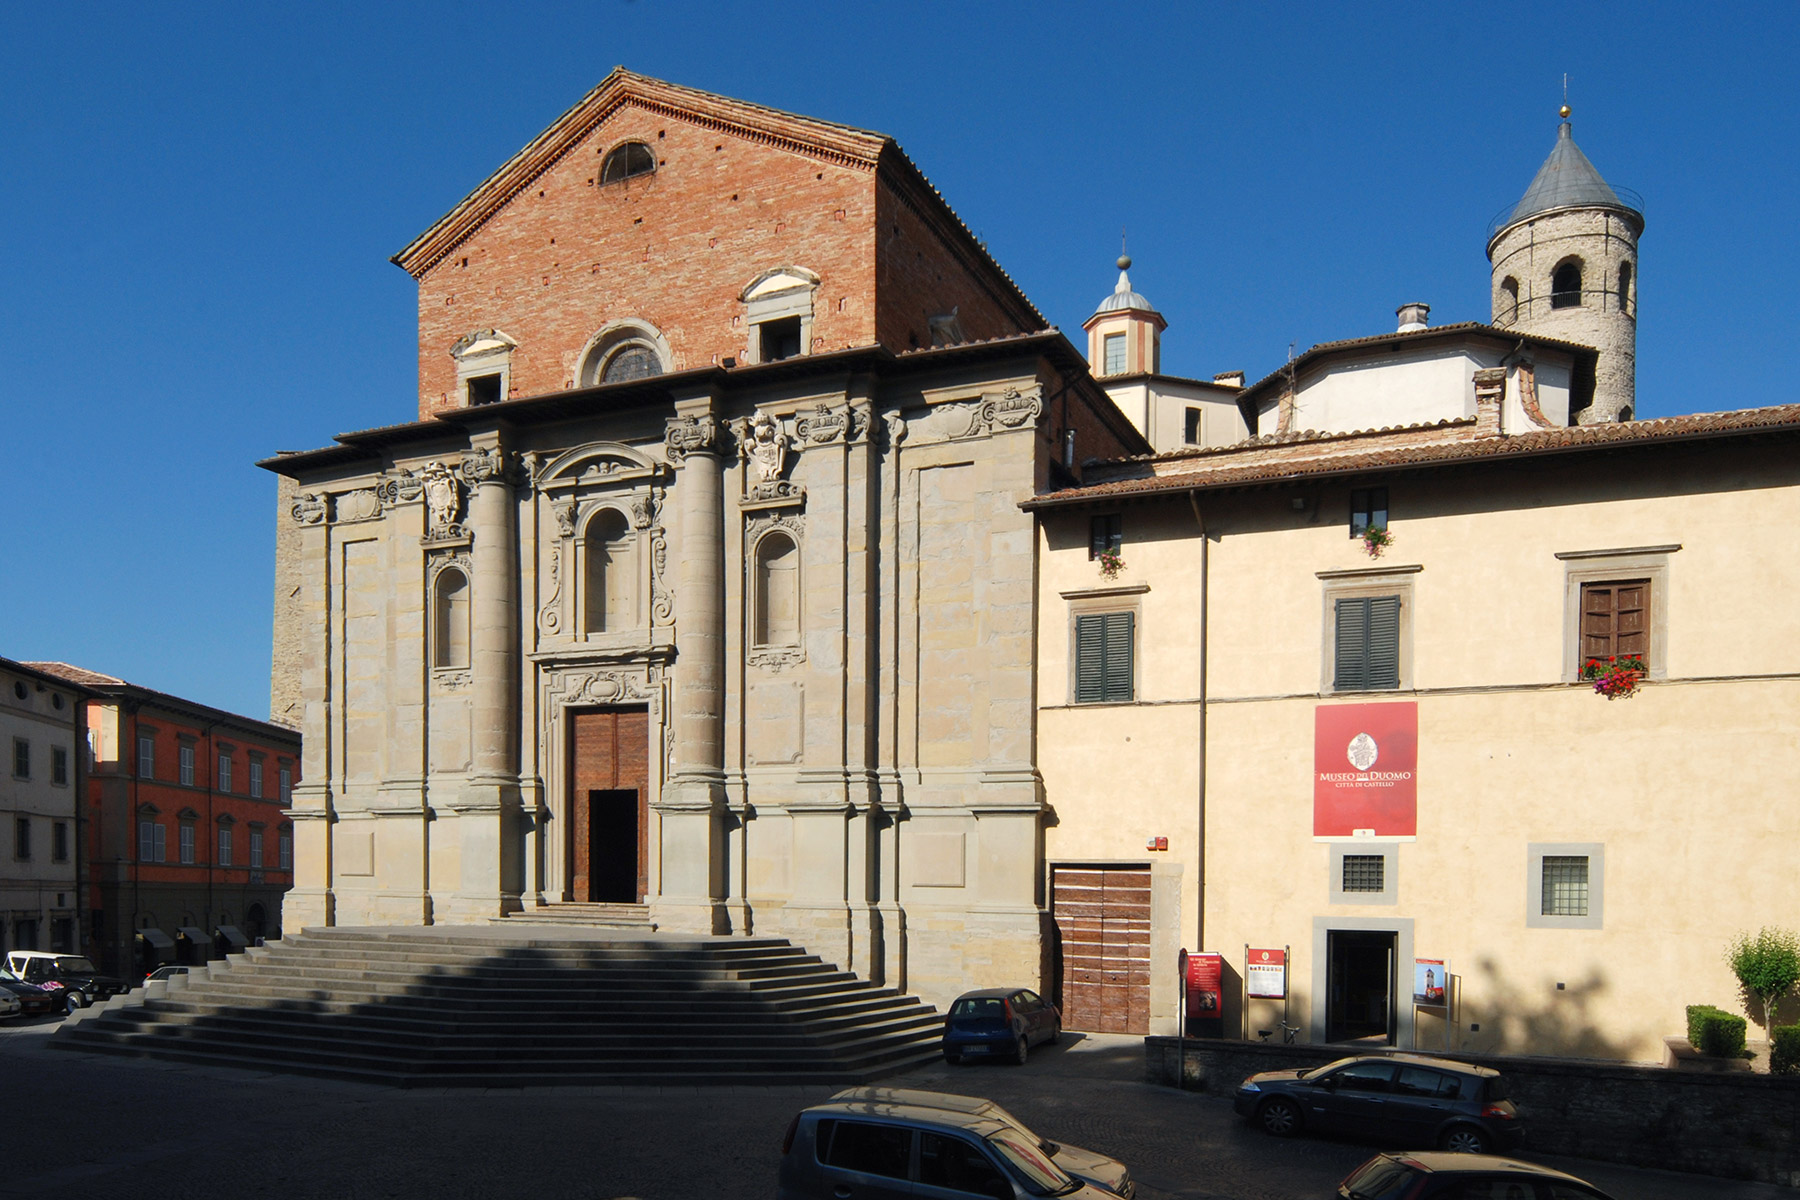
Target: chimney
(1229, 379)
(1490, 394)
(1413, 317)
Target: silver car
(1108, 1174)
(868, 1150)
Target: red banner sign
(1365, 759)
(1205, 974)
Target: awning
(157, 939)
(235, 936)
(195, 935)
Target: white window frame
(185, 757)
(224, 846)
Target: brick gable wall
(676, 249)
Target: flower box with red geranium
(1111, 563)
(1375, 539)
(1616, 676)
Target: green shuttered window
(1368, 643)
(1103, 650)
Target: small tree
(1768, 967)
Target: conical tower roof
(1567, 180)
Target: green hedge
(1715, 1032)
(1784, 1050)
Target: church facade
(701, 584)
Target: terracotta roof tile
(76, 675)
(1251, 463)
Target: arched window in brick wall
(450, 619)
(1565, 284)
(627, 161)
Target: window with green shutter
(1368, 643)
(1103, 652)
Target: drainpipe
(1200, 750)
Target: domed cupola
(1565, 266)
(1125, 332)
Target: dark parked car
(74, 980)
(999, 1023)
(871, 1151)
(33, 1000)
(1403, 1099)
(1461, 1177)
(1091, 1168)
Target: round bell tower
(1564, 265)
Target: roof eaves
(1434, 333)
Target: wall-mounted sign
(1429, 976)
(1265, 974)
(1205, 973)
(1365, 759)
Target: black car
(1402, 1099)
(1001, 1023)
(1461, 1177)
(74, 980)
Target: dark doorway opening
(1360, 998)
(609, 783)
(613, 856)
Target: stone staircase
(521, 1006)
(583, 913)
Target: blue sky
(200, 201)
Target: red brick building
(188, 843)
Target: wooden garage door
(1103, 917)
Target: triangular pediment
(826, 140)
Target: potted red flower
(1616, 676)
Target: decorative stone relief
(308, 509)
(564, 511)
(692, 435)
(577, 687)
(896, 429)
(822, 426)
(443, 504)
(401, 487)
(775, 658)
(645, 509)
(763, 447)
(458, 680)
(662, 597)
(361, 505)
(1013, 409)
(460, 559)
(862, 420)
(550, 616)
(481, 466)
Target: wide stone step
(520, 1005)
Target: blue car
(1001, 1023)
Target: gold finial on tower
(1564, 110)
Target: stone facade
(800, 590)
(40, 811)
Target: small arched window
(627, 162)
(777, 591)
(450, 620)
(1565, 285)
(611, 593)
(632, 361)
(1509, 301)
(1625, 287)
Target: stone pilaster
(692, 804)
(488, 809)
(310, 901)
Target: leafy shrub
(1767, 966)
(1715, 1032)
(1784, 1051)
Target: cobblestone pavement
(95, 1125)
